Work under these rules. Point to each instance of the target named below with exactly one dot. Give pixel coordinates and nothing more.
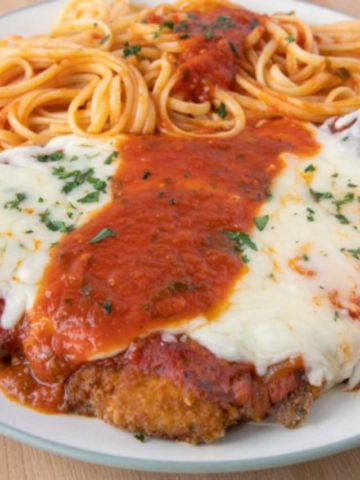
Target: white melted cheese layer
(35, 210)
(303, 283)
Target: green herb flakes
(90, 198)
(131, 50)
(104, 39)
(146, 175)
(317, 196)
(53, 157)
(222, 110)
(261, 222)
(140, 437)
(106, 306)
(241, 242)
(310, 215)
(100, 236)
(15, 204)
(111, 157)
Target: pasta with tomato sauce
(194, 68)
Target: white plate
(334, 423)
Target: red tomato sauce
(169, 257)
(214, 50)
(213, 42)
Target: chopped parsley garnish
(63, 174)
(209, 34)
(222, 110)
(186, 175)
(168, 24)
(254, 24)
(104, 233)
(111, 157)
(146, 175)
(131, 50)
(336, 316)
(74, 158)
(234, 49)
(53, 157)
(305, 258)
(90, 157)
(106, 306)
(224, 21)
(352, 185)
(242, 241)
(55, 226)
(223, 18)
(58, 226)
(29, 231)
(310, 215)
(181, 26)
(140, 437)
(355, 253)
(104, 39)
(90, 198)
(320, 195)
(345, 139)
(261, 222)
(79, 178)
(310, 168)
(342, 219)
(98, 184)
(349, 197)
(15, 204)
(290, 39)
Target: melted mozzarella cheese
(36, 208)
(301, 294)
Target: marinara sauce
(212, 47)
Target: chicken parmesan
(179, 238)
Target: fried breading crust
(152, 405)
(180, 396)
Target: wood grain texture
(19, 462)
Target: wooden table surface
(19, 462)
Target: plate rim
(161, 466)
(171, 466)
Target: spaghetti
(195, 68)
